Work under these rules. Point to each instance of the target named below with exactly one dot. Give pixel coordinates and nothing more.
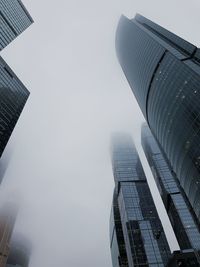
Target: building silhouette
(14, 20)
(163, 71)
(117, 242)
(136, 233)
(13, 96)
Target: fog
(60, 170)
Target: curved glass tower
(163, 71)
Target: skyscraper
(117, 243)
(136, 234)
(13, 96)
(14, 19)
(163, 71)
(183, 220)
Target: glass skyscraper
(117, 243)
(14, 19)
(13, 96)
(163, 71)
(183, 220)
(136, 233)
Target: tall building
(163, 71)
(136, 233)
(14, 20)
(183, 220)
(117, 243)
(13, 94)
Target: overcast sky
(60, 167)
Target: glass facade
(173, 40)
(13, 96)
(184, 258)
(14, 19)
(117, 244)
(178, 208)
(143, 236)
(130, 38)
(163, 71)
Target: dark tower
(14, 19)
(137, 236)
(117, 243)
(163, 71)
(13, 96)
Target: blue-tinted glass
(163, 71)
(144, 238)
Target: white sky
(60, 166)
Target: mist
(59, 166)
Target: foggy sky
(60, 169)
